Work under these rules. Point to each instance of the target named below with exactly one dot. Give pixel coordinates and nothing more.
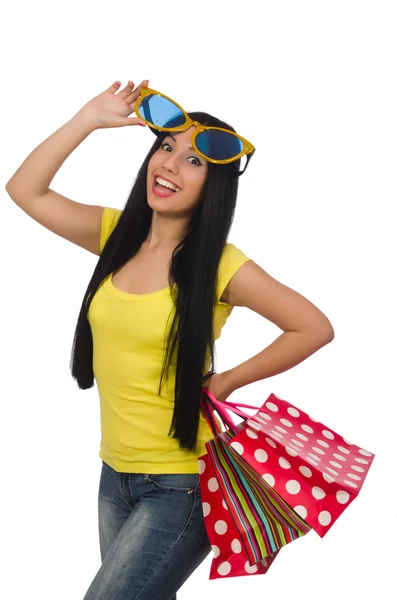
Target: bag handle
(230, 405)
(210, 417)
(211, 404)
(209, 409)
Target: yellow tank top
(128, 342)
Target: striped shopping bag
(230, 558)
(264, 521)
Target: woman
(165, 283)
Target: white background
(313, 86)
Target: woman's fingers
(134, 95)
(127, 90)
(129, 94)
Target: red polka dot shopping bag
(229, 556)
(316, 471)
(247, 522)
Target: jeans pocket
(176, 482)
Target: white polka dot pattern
(236, 546)
(293, 487)
(269, 479)
(301, 510)
(284, 463)
(252, 433)
(220, 527)
(314, 469)
(305, 471)
(271, 443)
(307, 428)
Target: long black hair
(192, 279)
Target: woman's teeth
(164, 188)
(163, 183)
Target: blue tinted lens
(218, 145)
(161, 112)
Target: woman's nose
(171, 163)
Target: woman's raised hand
(111, 109)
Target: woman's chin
(157, 203)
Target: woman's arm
(306, 328)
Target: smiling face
(180, 168)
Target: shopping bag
(259, 521)
(229, 555)
(314, 469)
(264, 520)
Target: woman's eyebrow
(172, 137)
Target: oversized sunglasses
(215, 144)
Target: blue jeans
(151, 533)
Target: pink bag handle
(222, 407)
(230, 404)
(220, 410)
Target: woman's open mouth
(163, 188)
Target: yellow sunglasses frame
(248, 148)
